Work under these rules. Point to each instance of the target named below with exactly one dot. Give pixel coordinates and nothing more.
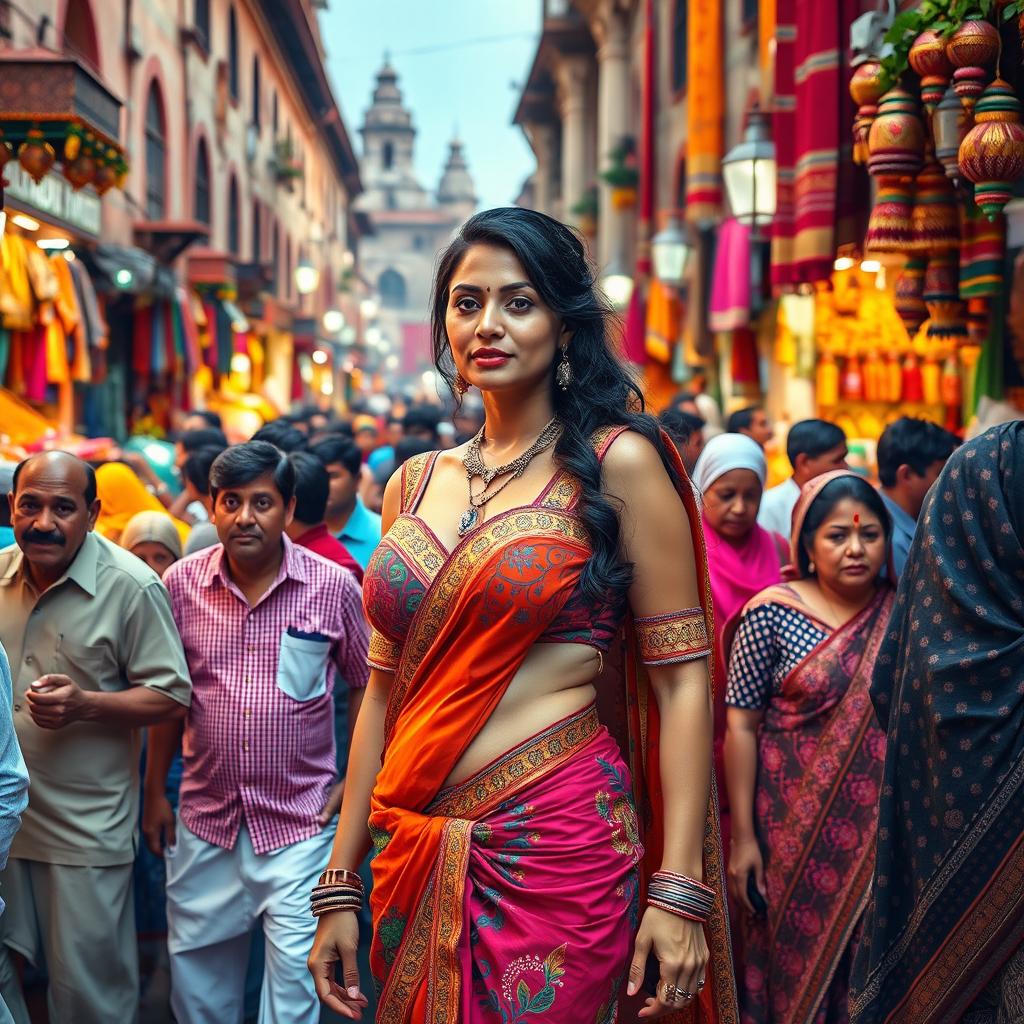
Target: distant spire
(456, 187)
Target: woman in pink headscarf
(743, 558)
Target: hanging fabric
(705, 111)
(663, 307)
(817, 194)
(730, 280)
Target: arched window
(201, 22)
(389, 156)
(257, 231)
(234, 218)
(391, 286)
(233, 53)
(201, 193)
(156, 154)
(679, 54)
(256, 100)
(80, 38)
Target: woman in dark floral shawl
(942, 939)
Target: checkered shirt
(251, 748)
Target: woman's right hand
(337, 939)
(744, 858)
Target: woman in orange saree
(509, 872)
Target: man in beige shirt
(95, 656)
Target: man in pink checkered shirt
(268, 629)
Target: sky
(460, 65)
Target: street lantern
(670, 253)
(307, 277)
(333, 321)
(749, 173)
(617, 285)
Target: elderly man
(95, 655)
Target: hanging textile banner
(705, 110)
(816, 207)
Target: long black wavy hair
(602, 393)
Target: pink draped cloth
(730, 285)
(738, 572)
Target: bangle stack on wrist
(337, 890)
(680, 895)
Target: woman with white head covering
(743, 558)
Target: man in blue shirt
(347, 517)
(911, 454)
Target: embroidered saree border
(383, 652)
(525, 764)
(414, 476)
(673, 637)
(464, 559)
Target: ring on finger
(671, 993)
(700, 984)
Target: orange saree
(542, 844)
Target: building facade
(410, 224)
(241, 167)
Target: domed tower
(388, 134)
(456, 191)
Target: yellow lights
(369, 308)
(844, 263)
(870, 266)
(240, 363)
(327, 386)
(320, 357)
(333, 321)
(24, 222)
(53, 244)
(373, 336)
(307, 278)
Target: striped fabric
(816, 185)
(259, 737)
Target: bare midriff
(554, 682)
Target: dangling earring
(563, 372)
(810, 568)
(461, 384)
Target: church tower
(456, 191)
(388, 134)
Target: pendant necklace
(514, 470)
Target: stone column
(611, 32)
(571, 76)
(542, 140)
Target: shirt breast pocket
(302, 666)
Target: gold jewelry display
(475, 467)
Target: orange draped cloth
(489, 601)
(705, 111)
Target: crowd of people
(304, 635)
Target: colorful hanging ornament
(910, 295)
(105, 178)
(866, 88)
(935, 221)
(36, 155)
(992, 154)
(81, 171)
(896, 144)
(950, 124)
(972, 50)
(942, 297)
(928, 58)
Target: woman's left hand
(682, 953)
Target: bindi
(856, 519)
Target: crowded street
(512, 512)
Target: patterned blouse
(771, 641)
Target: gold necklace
(474, 467)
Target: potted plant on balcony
(622, 175)
(284, 164)
(585, 210)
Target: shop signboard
(54, 198)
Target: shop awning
(125, 269)
(168, 239)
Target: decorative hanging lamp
(942, 297)
(935, 221)
(992, 153)
(910, 295)
(972, 50)
(866, 88)
(950, 125)
(36, 155)
(896, 143)
(929, 60)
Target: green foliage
(942, 16)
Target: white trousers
(215, 897)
